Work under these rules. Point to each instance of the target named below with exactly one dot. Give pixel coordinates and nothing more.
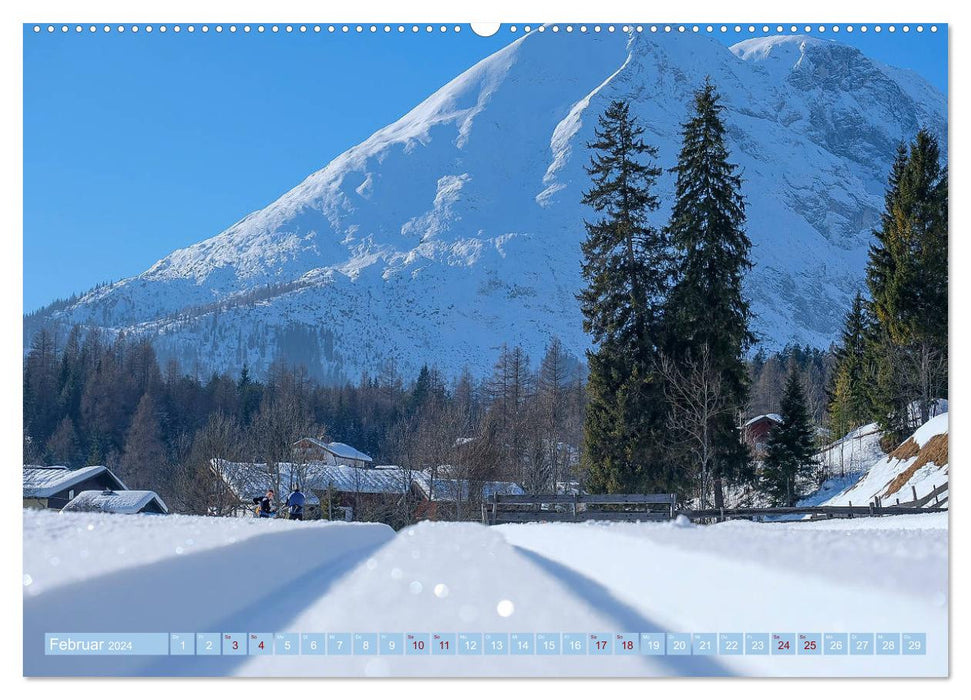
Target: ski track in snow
(873, 575)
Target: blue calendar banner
(603, 644)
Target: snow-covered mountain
(457, 228)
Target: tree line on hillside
(91, 401)
(669, 385)
(88, 400)
(891, 362)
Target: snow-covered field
(141, 573)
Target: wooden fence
(572, 509)
(815, 512)
(659, 507)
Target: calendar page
(611, 349)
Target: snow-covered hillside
(833, 576)
(861, 470)
(920, 463)
(457, 228)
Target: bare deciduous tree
(696, 399)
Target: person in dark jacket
(265, 505)
(295, 503)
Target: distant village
(339, 481)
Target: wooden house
(55, 487)
(332, 453)
(120, 502)
(756, 431)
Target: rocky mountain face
(456, 229)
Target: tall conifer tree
(908, 279)
(707, 310)
(625, 265)
(789, 448)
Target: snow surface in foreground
(861, 575)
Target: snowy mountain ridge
(457, 228)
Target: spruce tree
(790, 451)
(626, 269)
(850, 402)
(907, 277)
(707, 311)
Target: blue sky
(138, 144)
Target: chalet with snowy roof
(333, 491)
(333, 453)
(756, 431)
(389, 494)
(120, 502)
(55, 487)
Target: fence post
(913, 490)
(574, 507)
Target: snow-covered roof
(343, 450)
(458, 489)
(123, 502)
(340, 449)
(248, 480)
(774, 417)
(43, 482)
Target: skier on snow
(295, 503)
(264, 506)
